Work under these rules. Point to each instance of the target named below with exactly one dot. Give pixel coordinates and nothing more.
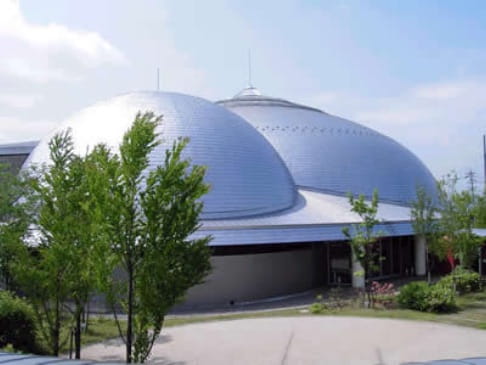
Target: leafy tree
(363, 236)
(71, 254)
(471, 182)
(45, 270)
(103, 212)
(89, 248)
(15, 210)
(151, 215)
(425, 224)
(457, 221)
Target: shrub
(427, 298)
(440, 299)
(414, 296)
(319, 306)
(466, 281)
(9, 348)
(17, 326)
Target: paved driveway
(307, 340)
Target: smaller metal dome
(246, 174)
(334, 155)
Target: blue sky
(414, 70)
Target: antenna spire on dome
(249, 90)
(249, 69)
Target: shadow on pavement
(468, 361)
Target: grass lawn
(100, 329)
(472, 313)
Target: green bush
(427, 298)
(319, 306)
(17, 326)
(466, 281)
(441, 299)
(9, 348)
(414, 296)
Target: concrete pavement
(306, 340)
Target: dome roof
(334, 155)
(246, 175)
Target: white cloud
(440, 122)
(43, 53)
(17, 129)
(19, 101)
(37, 64)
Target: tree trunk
(77, 333)
(6, 276)
(129, 314)
(366, 279)
(56, 331)
(86, 316)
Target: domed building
(331, 154)
(246, 175)
(279, 174)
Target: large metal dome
(246, 174)
(331, 154)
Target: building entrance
(339, 263)
(394, 258)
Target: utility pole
(471, 178)
(484, 160)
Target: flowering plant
(382, 294)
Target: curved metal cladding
(334, 155)
(246, 175)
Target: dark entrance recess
(339, 263)
(395, 258)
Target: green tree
(15, 212)
(425, 223)
(70, 252)
(151, 215)
(89, 245)
(363, 236)
(457, 221)
(46, 265)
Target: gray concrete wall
(241, 278)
